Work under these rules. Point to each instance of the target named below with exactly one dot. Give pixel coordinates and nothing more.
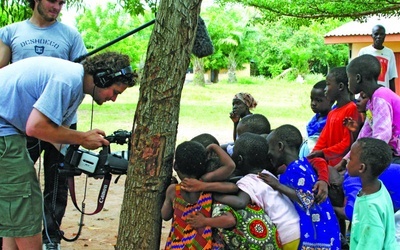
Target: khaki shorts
(20, 195)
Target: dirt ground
(100, 230)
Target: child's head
(205, 139)
(190, 160)
(283, 140)
(336, 84)
(251, 153)
(256, 124)
(363, 70)
(369, 156)
(319, 103)
(362, 102)
(213, 161)
(242, 103)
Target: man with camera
(41, 96)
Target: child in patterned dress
(191, 162)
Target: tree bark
(232, 68)
(155, 124)
(198, 72)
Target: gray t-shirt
(51, 85)
(57, 40)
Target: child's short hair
(191, 158)
(254, 148)
(205, 139)
(367, 66)
(320, 85)
(213, 161)
(256, 123)
(375, 153)
(290, 135)
(340, 75)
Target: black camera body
(78, 161)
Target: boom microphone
(203, 45)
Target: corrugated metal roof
(355, 28)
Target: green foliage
(282, 46)
(13, 11)
(102, 25)
(300, 10)
(229, 30)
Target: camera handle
(103, 190)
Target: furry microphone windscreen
(203, 45)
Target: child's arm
(275, 184)
(167, 210)
(227, 165)
(194, 185)
(321, 186)
(236, 202)
(382, 120)
(198, 220)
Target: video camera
(78, 161)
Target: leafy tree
(229, 29)
(102, 25)
(282, 46)
(319, 9)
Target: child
(384, 119)
(373, 219)
(321, 106)
(335, 139)
(242, 103)
(250, 156)
(318, 224)
(256, 124)
(190, 162)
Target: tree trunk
(155, 124)
(232, 68)
(198, 70)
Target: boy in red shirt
(335, 139)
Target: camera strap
(101, 198)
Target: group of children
(275, 190)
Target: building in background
(358, 35)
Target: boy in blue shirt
(321, 106)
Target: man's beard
(43, 15)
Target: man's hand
(94, 139)
(192, 185)
(196, 220)
(320, 190)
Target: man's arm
(41, 127)
(5, 54)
